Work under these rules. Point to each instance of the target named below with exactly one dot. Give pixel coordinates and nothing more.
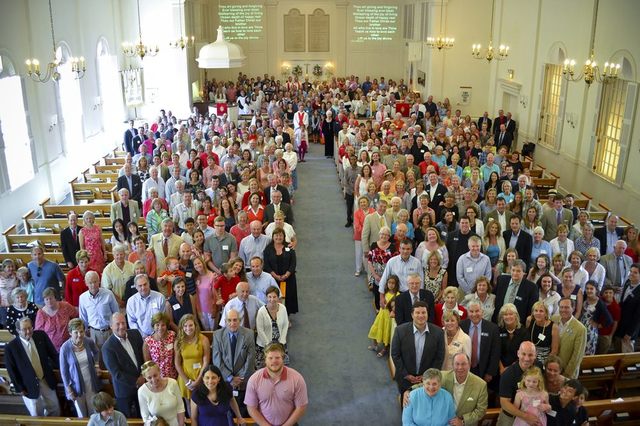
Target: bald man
(245, 304)
(509, 386)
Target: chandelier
(590, 71)
(490, 53)
(139, 49)
(440, 42)
(78, 65)
(183, 41)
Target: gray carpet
(347, 384)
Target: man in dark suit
(128, 138)
(500, 119)
(517, 290)
(629, 325)
(234, 353)
(277, 205)
(436, 192)
(405, 301)
(132, 182)
(608, 234)
(457, 245)
(411, 361)
(70, 241)
(484, 120)
(138, 139)
(510, 124)
(31, 359)
(485, 343)
(275, 186)
(523, 242)
(228, 176)
(122, 355)
(431, 107)
(503, 137)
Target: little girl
(380, 331)
(301, 138)
(531, 397)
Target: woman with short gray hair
(20, 308)
(429, 404)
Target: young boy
(226, 283)
(106, 414)
(171, 273)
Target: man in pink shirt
(276, 394)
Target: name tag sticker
(196, 365)
(519, 298)
(469, 269)
(573, 297)
(543, 252)
(484, 334)
(551, 413)
(176, 306)
(188, 275)
(287, 249)
(225, 247)
(541, 337)
(235, 393)
(154, 305)
(169, 346)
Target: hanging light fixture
(590, 71)
(490, 53)
(221, 53)
(183, 41)
(139, 49)
(441, 42)
(78, 65)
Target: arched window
(70, 101)
(614, 122)
(109, 89)
(554, 89)
(17, 165)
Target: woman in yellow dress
(380, 331)
(192, 355)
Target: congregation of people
(190, 314)
(485, 295)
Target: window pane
(13, 120)
(609, 130)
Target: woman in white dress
(160, 397)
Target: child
(582, 417)
(380, 331)
(104, 405)
(26, 283)
(301, 137)
(531, 397)
(226, 283)
(165, 279)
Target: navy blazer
(489, 347)
(526, 296)
(124, 373)
(524, 245)
(22, 374)
(136, 184)
(70, 245)
(286, 198)
(403, 306)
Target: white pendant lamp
(221, 54)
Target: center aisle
(347, 384)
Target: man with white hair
(154, 181)
(131, 181)
(95, 307)
(125, 209)
(142, 306)
(116, 274)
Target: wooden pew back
(599, 372)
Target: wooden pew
(90, 192)
(535, 173)
(117, 153)
(99, 177)
(34, 225)
(582, 203)
(62, 211)
(16, 420)
(598, 373)
(628, 371)
(544, 185)
(607, 411)
(105, 168)
(23, 242)
(111, 161)
(490, 417)
(22, 258)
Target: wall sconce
(571, 119)
(510, 73)
(523, 101)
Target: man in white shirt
(154, 181)
(142, 306)
(245, 304)
(188, 208)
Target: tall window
(551, 114)
(110, 90)
(70, 103)
(613, 127)
(16, 154)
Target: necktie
(474, 347)
(233, 342)
(501, 137)
(165, 247)
(245, 316)
(382, 222)
(559, 217)
(73, 233)
(414, 299)
(35, 360)
(618, 277)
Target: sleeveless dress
(527, 406)
(380, 330)
(161, 352)
(434, 284)
(543, 346)
(178, 310)
(588, 314)
(192, 354)
(93, 245)
(211, 414)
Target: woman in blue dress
(212, 403)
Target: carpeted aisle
(347, 384)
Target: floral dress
(588, 314)
(379, 258)
(434, 285)
(93, 245)
(161, 352)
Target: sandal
(382, 353)
(373, 348)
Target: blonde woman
(192, 355)
(457, 341)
